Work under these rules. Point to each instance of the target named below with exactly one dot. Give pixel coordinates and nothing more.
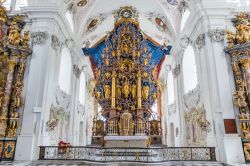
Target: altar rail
(147, 155)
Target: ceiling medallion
(126, 12)
(82, 3)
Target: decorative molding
(184, 42)
(80, 108)
(217, 35)
(200, 41)
(177, 70)
(55, 43)
(192, 98)
(39, 38)
(171, 109)
(76, 71)
(183, 5)
(93, 22)
(158, 20)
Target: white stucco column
(36, 83)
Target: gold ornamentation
(14, 36)
(25, 39)
(126, 88)
(242, 35)
(107, 92)
(145, 92)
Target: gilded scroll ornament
(242, 34)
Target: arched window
(65, 70)
(70, 19)
(170, 88)
(189, 69)
(184, 18)
(82, 88)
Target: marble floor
(81, 163)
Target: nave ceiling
(159, 19)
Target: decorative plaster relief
(217, 35)
(183, 5)
(192, 99)
(80, 108)
(184, 42)
(39, 38)
(177, 70)
(171, 109)
(55, 43)
(76, 71)
(172, 2)
(160, 21)
(58, 122)
(93, 22)
(200, 41)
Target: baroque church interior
(144, 81)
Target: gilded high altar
(126, 81)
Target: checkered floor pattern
(79, 163)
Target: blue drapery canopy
(158, 52)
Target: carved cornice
(39, 38)
(55, 43)
(200, 41)
(216, 35)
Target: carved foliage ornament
(200, 41)
(55, 43)
(216, 35)
(39, 38)
(183, 5)
(184, 42)
(76, 71)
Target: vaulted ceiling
(159, 19)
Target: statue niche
(126, 125)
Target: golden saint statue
(107, 92)
(133, 91)
(126, 88)
(145, 92)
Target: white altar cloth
(126, 141)
(125, 138)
